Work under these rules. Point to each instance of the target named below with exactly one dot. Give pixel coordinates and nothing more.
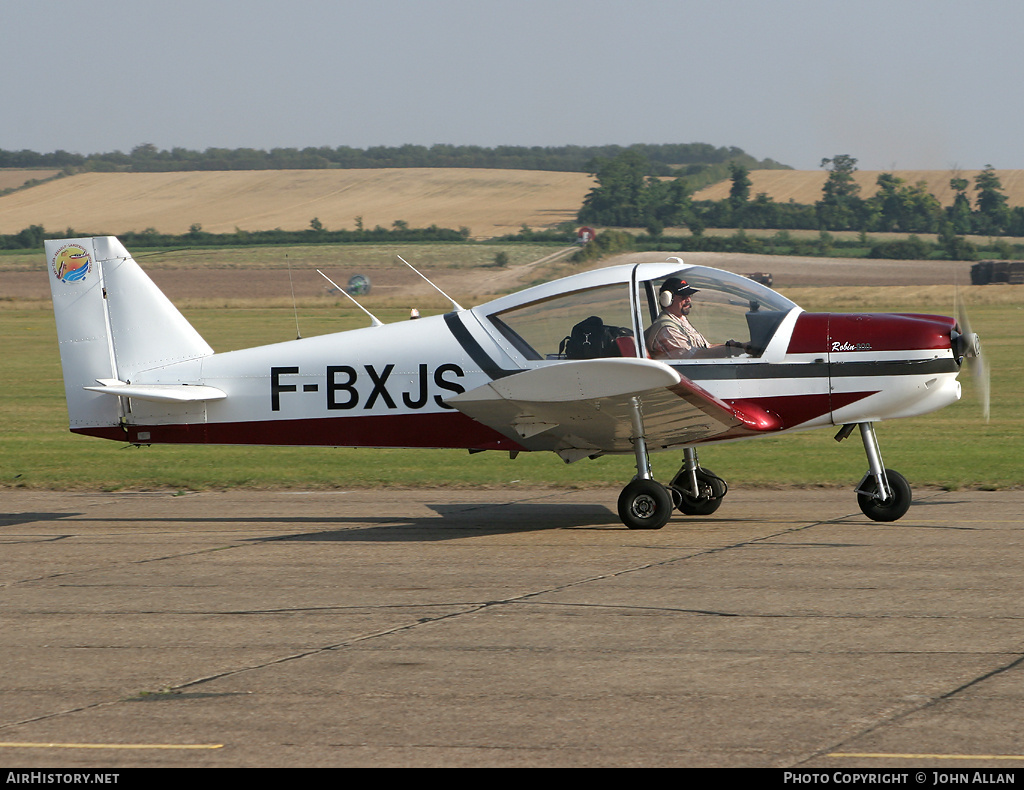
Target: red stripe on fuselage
(793, 410)
(449, 430)
(783, 412)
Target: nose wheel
(880, 508)
(883, 495)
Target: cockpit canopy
(604, 313)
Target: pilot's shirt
(670, 337)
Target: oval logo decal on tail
(71, 264)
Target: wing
(584, 408)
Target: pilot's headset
(672, 287)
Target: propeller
(968, 345)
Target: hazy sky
(931, 84)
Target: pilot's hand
(741, 348)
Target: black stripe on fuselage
(696, 371)
(474, 349)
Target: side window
(580, 325)
(727, 307)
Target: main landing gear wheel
(891, 509)
(711, 486)
(645, 504)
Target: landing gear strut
(697, 491)
(644, 503)
(882, 494)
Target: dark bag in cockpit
(591, 338)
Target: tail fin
(113, 323)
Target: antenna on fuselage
(373, 319)
(455, 304)
(295, 306)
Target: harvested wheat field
(488, 202)
(12, 178)
(804, 186)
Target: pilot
(672, 336)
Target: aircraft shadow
(452, 521)
(462, 521)
(14, 519)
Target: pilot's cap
(677, 287)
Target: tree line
(700, 162)
(629, 195)
(33, 236)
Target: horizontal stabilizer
(160, 393)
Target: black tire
(645, 504)
(703, 506)
(893, 508)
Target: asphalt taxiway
(508, 628)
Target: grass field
(952, 448)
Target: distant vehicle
(561, 366)
(358, 285)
